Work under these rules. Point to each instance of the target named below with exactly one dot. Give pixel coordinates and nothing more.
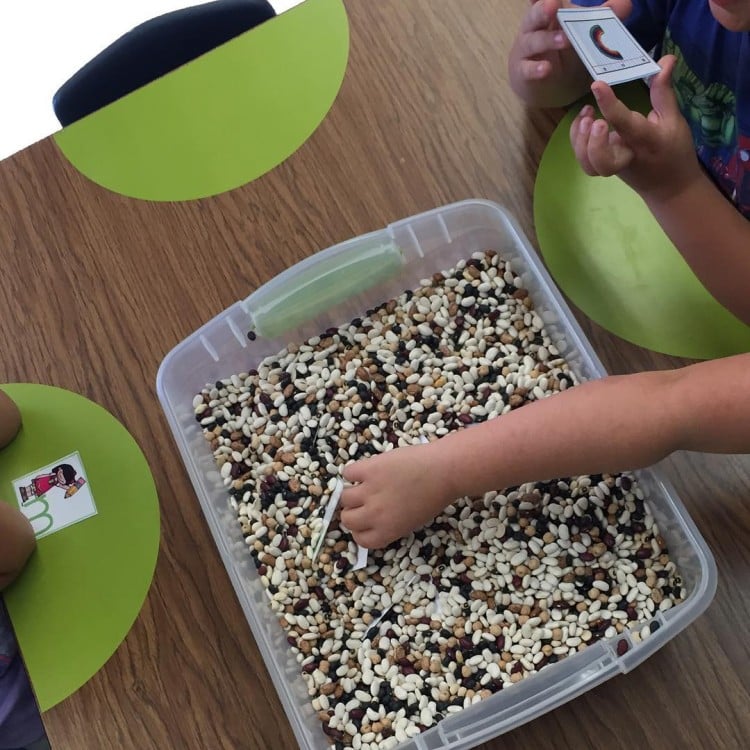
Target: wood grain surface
(97, 288)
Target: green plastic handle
(315, 285)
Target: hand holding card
(331, 507)
(654, 154)
(605, 46)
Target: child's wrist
(674, 190)
(448, 471)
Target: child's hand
(397, 492)
(544, 69)
(655, 155)
(18, 542)
(541, 47)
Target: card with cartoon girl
(55, 496)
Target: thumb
(622, 8)
(663, 97)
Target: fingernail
(540, 69)
(596, 91)
(559, 39)
(585, 125)
(587, 111)
(599, 127)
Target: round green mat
(223, 119)
(85, 584)
(612, 259)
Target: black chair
(153, 49)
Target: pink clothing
(44, 483)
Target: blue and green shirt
(712, 83)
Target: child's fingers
(353, 497)
(537, 43)
(598, 149)
(541, 14)
(370, 538)
(631, 125)
(356, 519)
(615, 140)
(607, 153)
(535, 70)
(355, 472)
(579, 138)
(586, 113)
(663, 97)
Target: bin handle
(321, 282)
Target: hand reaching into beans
(653, 154)
(397, 492)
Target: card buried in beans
(493, 589)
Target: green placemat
(612, 259)
(85, 584)
(223, 119)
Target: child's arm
(615, 424)
(656, 157)
(17, 542)
(543, 68)
(713, 237)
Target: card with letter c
(607, 49)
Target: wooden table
(97, 288)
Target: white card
(333, 503)
(362, 553)
(605, 46)
(396, 599)
(55, 496)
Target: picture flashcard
(55, 496)
(607, 49)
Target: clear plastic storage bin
(327, 290)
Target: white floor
(43, 42)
